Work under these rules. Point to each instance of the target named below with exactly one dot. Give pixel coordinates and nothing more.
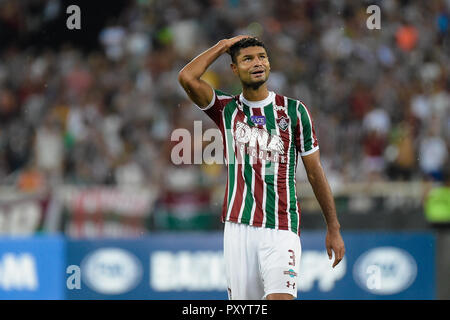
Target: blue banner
(190, 266)
(376, 266)
(165, 266)
(32, 268)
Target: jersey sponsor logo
(283, 123)
(291, 273)
(258, 120)
(248, 139)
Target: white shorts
(260, 261)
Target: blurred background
(86, 122)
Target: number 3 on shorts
(292, 257)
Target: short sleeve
(215, 108)
(306, 139)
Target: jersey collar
(260, 103)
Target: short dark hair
(244, 43)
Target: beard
(254, 85)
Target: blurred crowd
(380, 98)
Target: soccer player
(263, 132)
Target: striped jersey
(262, 140)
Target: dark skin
(249, 62)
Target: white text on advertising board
(18, 272)
(205, 271)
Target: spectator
(84, 111)
(433, 155)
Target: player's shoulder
(222, 94)
(300, 105)
(289, 101)
(225, 98)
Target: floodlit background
(92, 205)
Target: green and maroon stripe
(246, 210)
(307, 139)
(238, 194)
(229, 113)
(315, 141)
(259, 184)
(282, 186)
(294, 213)
(269, 176)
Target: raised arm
(199, 91)
(322, 191)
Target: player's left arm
(322, 191)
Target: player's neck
(255, 94)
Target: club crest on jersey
(283, 123)
(258, 120)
